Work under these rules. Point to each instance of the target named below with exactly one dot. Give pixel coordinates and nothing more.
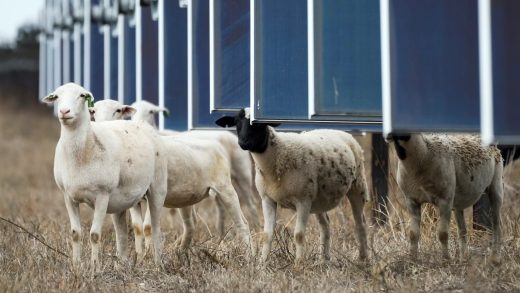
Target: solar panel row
(432, 65)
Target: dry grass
(31, 199)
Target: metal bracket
(183, 3)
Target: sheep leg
(444, 223)
(303, 209)
(415, 226)
(324, 222)
(357, 202)
(187, 221)
(495, 197)
(147, 227)
(137, 224)
(269, 211)
(119, 220)
(243, 186)
(100, 211)
(155, 204)
(171, 217)
(229, 198)
(75, 233)
(220, 217)
(461, 225)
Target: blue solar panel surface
(129, 77)
(113, 67)
(505, 33)
(348, 58)
(281, 60)
(96, 60)
(149, 50)
(231, 43)
(176, 81)
(434, 65)
(201, 117)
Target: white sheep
(309, 172)
(451, 172)
(108, 166)
(196, 169)
(241, 163)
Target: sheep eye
(151, 112)
(118, 111)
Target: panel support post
(379, 175)
(482, 214)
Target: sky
(14, 13)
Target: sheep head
(146, 111)
(252, 137)
(72, 102)
(106, 110)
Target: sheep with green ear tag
(108, 166)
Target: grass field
(30, 198)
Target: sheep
(108, 166)
(188, 158)
(309, 172)
(451, 172)
(241, 165)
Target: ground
(29, 198)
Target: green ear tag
(166, 114)
(90, 102)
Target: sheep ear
(166, 113)
(89, 99)
(128, 111)
(49, 99)
(91, 112)
(226, 121)
(274, 124)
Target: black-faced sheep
(309, 172)
(451, 172)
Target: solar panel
(229, 55)
(279, 66)
(430, 65)
(345, 60)
(93, 56)
(49, 44)
(199, 116)
(126, 60)
(173, 65)
(68, 51)
(147, 86)
(500, 97)
(77, 41)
